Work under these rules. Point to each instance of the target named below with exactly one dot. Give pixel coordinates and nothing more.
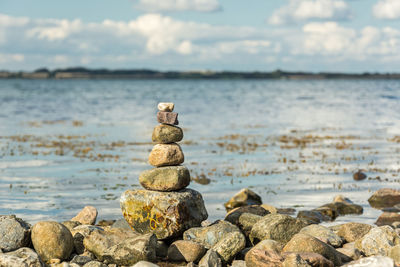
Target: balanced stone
(166, 134)
(171, 178)
(168, 107)
(167, 117)
(166, 155)
(166, 214)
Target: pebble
(359, 176)
(170, 178)
(166, 106)
(52, 240)
(166, 134)
(244, 197)
(277, 227)
(87, 215)
(166, 155)
(385, 198)
(167, 117)
(185, 250)
(161, 212)
(14, 233)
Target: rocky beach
(165, 224)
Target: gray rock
(132, 250)
(80, 260)
(52, 240)
(94, 264)
(171, 178)
(231, 244)
(374, 261)
(385, 198)
(14, 233)
(378, 241)
(210, 259)
(166, 214)
(21, 257)
(167, 117)
(210, 235)
(324, 234)
(166, 134)
(99, 241)
(244, 197)
(121, 223)
(277, 227)
(238, 263)
(306, 243)
(350, 250)
(185, 250)
(145, 264)
(353, 231)
(312, 216)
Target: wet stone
(166, 134)
(244, 197)
(166, 155)
(166, 214)
(167, 117)
(171, 178)
(385, 198)
(359, 176)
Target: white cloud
(387, 9)
(341, 43)
(180, 5)
(302, 10)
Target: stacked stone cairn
(165, 207)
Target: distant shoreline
(143, 74)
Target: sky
(256, 35)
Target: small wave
(23, 164)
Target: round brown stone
(166, 155)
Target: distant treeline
(83, 73)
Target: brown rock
(353, 231)
(166, 155)
(185, 250)
(358, 176)
(312, 216)
(263, 258)
(388, 218)
(313, 259)
(385, 198)
(170, 178)
(244, 197)
(87, 215)
(350, 250)
(306, 243)
(52, 240)
(167, 117)
(166, 134)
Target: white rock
(374, 261)
(167, 107)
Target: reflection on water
(67, 144)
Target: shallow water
(67, 144)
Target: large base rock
(166, 214)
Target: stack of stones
(165, 207)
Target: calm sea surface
(67, 144)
